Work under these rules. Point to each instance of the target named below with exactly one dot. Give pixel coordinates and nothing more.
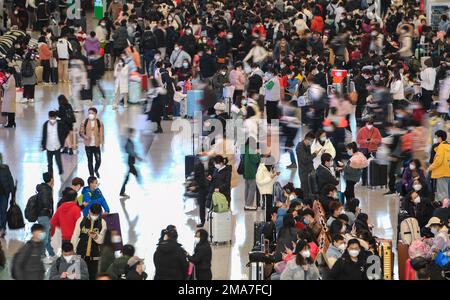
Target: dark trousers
(92, 268)
(3, 210)
(57, 155)
(201, 201)
(272, 111)
(304, 183)
(148, 58)
(28, 91)
(349, 190)
(427, 98)
(95, 82)
(46, 72)
(268, 202)
(236, 94)
(131, 170)
(11, 118)
(392, 178)
(92, 151)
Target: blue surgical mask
(42, 236)
(203, 158)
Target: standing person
(427, 81)
(440, 169)
(6, 189)
(54, 134)
(324, 172)
(237, 79)
(42, 14)
(272, 96)
(88, 236)
(368, 139)
(96, 70)
(397, 88)
(69, 266)
(120, 40)
(66, 216)
(149, 44)
(156, 95)
(45, 55)
(92, 195)
(27, 263)
(44, 201)
(202, 256)
(322, 142)
(208, 64)
(92, 44)
(220, 179)
(132, 157)
(93, 133)
(161, 37)
(64, 48)
(178, 56)
(170, 258)
(9, 98)
(353, 169)
(66, 114)
(251, 161)
(28, 77)
(121, 84)
(305, 161)
(168, 82)
(265, 179)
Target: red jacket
(317, 24)
(66, 217)
(372, 134)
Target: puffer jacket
(45, 200)
(170, 261)
(120, 38)
(440, 168)
(6, 180)
(264, 180)
(28, 264)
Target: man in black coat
(170, 258)
(27, 263)
(324, 175)
(54, 134)
(208, 66)
(167, 81)
(6, 189)
(44, 201)
(202, 256)
(361, 82)
(305, 161)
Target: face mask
(306, 253)
(91, 117)
(292, 197)
(185, 65)
(417, 200)
(102, 24)
(205, 41)
(188, 32)
(42, 236)
(341, 247)
(353, 253)
(435, 141)
(434, 231)
(116, 239)
(323, 138)
(94, 218)
(229, 36)
(203, 158)
(343, 229)
(68, 258)
(176, 48)
(306, 221)
(369, 127)
(328, 128)
(412, 167)
(244, 102)
(282, 66)
(52, 121)
(217, 166)
(197, 240)
(350, 153)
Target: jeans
(250, 190)
(148, 58)
(46, 70)
(45, 221)
(57, 155)
(131, 170)
(176, 109)
(3, 210)
(92, 151)
(272, 111)
(349, 190)
(442, 188)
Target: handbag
(443, 258)
(240, 169)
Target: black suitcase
(377, 174)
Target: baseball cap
(134, 260)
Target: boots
(159, 130)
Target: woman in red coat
(317, 24)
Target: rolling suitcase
(402, 257)
(256, 271)
(134, 92)
(387, 259)
(113, 223)
(377, 174)
(194, 101)
(220, 227)
(144, 82)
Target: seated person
(286, 237)
(308, 219)
(412, 172)
(329, 196)
(337, 227)
(307, 235)
(335, 250)
(352, 209)
(336, 209)
(418, 204)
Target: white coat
(397, 90)
(8, 92)
(121, 75)
(264, 180)
(328, 147)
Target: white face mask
(94, 218)
(68, 258)
(350, 153)
(157, 57)
(91, 117)
(306, 253)
(434, 231)
(417, 200)
(116, 239)
(369, 126)
(353, 253)
(217, 166)
(323, 139)
(417, 187)
(185, 65)
(412, 167)
(341, 247)
(196, 240)
(328, 128)
(435, 140)
(292, 197)
(176, 48)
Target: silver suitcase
(256, 271)
(220, 227)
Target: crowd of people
(364, 88)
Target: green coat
(251, 163)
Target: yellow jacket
(441, 164)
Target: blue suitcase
(134, 92)
(194, 101)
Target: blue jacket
(92, 197)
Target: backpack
(149, 40)
(15, 216)
(32, 209)
(219, 202)
(70, 115)
(409, 231)
(27, 68)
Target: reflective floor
(158, 201)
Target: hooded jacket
(66, 217)
(92, 197)
(170, 261)
(45, 200)
(27, 263)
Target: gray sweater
(296, 272)
(76, 265)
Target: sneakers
(291, 166)
(65, 150)
(70, 151)
(125, 106)
(254, 208)
(97, 174)
(159, 130)
(31, 100)
(200, 225)
(124, 196)
(389, 193)
(48, 260)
